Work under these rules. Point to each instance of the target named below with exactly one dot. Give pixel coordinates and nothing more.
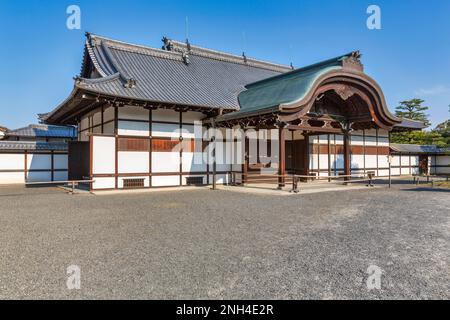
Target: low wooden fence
(71, 183)
(294, 180)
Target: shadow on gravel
(427, 189)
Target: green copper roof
(285, 88)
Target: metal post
(390, 180)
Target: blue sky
(409, 56)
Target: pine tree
(413, 109)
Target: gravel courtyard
(202, 244)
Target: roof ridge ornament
(353, 62)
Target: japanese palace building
(148, 117)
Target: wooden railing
(294, 179)
(71, 183)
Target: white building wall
(38, 167)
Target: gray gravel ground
(203, 244)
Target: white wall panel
(395, 171)
(12, 161)
(165, 161)
(165, 115)
(60, 176)
(104, 183)
(38, 161)
(220, 178)
(166, 130)
(191, 116)
(383, 161)
(165, 181)
(357, 140)
(108, 114)
(323, 161)
(395, 161)
(371, 161)
(383, 142)
(371, 141)
(60, 161)
(104, 154)
(108, 128)
(443, 160)
(133, 162)
(194, 162)
(132, 128)
(383, 173)
(357, 161)
(405, 161)
(39, 176)
(11, 177)
(405, 170)
(133, 113)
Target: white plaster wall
(165, 162)
(165, 181)
(104, 183)
(132, 128)
(357, 162)
(133, 113)
(108, 114)
(166, 130)
(103, 157)
(133, 162)
(108, 128)
(192, 116)
(60, 161)
(39, 176)
(39, 161)
(371, 161)
(12, 177)
(193, 162)
(165, 115)
(405, 161)
(12, 162)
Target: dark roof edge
(302, 69)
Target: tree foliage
(414, 110)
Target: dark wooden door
(79, 158)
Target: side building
(36, 153)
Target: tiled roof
(178, 74)
(417, 149)
(32, 145)
(410, 124)
(43, 130)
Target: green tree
(414, 110)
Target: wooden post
(245, 165)
(214, 153)
(346, 152)
(281, 156)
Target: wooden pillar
(281, 156)
(213, 140)
(346, 153)
(245, 165)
